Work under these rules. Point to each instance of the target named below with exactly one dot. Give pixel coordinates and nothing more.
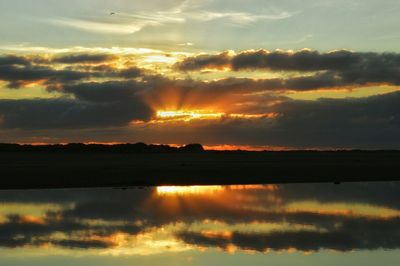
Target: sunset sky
(256, 73)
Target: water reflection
(257, 219)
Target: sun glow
(188, 115)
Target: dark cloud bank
(101, 97)
(84, 58)
(353, 67)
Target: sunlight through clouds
(214, 72)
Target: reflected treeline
(307, 217)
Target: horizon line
(206, 147)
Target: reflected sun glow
(184, 190)
(181, 190)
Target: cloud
(83, 244)
(84, 58)
(18, 225)
(21, 231)
(241, 18)
(185, 12)
(354, 234)
(362, 193)
(98, 27)
(8, 60)
(342, 67)
(365, 123)
(304, 60)
(64, 113)
(342, 122)
(52, 77)
(365, 193)
(109, 91)
(371, 122)
(117, 206)
(17, 70)
(205, 61)
(100, 96)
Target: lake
(291, 224)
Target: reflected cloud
(250, 218)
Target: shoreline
(40, 170)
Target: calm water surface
(308, 224)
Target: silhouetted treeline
(121, 148)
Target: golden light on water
(181, 190)
(216, 234)
(254, 116)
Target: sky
(309, 224)
(274, 74)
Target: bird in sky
(112, 13)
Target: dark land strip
(109, 166)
